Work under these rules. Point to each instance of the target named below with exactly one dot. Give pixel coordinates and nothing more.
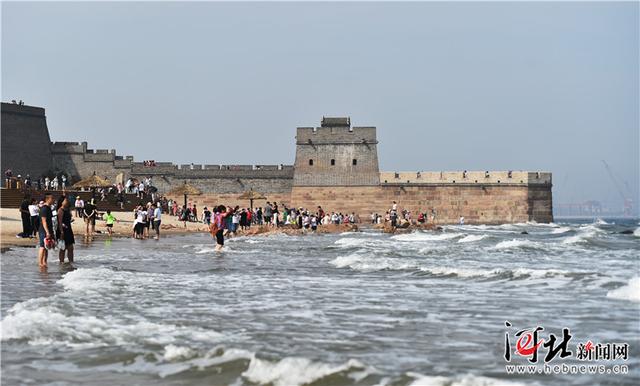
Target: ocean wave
(637, 232)
(472, 238)
(423, 236)
(358, 262)
(42, 324)
(173, 353)
(355, 242)
(517, 244)
(293, 371)
(560, 230)
(631, 291)
(362, 263)
(88, 279)
(465, 380)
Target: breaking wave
(631, 291)
(423, 236)
(517, 244)
(472, 238)
(359, 262)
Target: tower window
(310, 162)
(354, 162)
(333, 162)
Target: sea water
(365, 308)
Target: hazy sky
(450, 86)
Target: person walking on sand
(34, 212)
(157, 220)
(25, 216)
(79, 206)
(90, 213)
(110, 220)
(45, 233)
(64, 233)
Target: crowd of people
(395, 217)
(50, 221)
(55, 182)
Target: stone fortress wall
(336, 166)
(25, 140)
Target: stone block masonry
(25, 140)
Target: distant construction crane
(628, 202)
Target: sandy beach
(11, 225)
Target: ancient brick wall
(479, 204)
(25, 140)
(231, 199)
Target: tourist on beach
(26, 218)
(64, 182)
(268, 212)
(139, 223)
(184, 215)
(220, 215)
(148, 220)
(45, 233)
(64, 231)
(79, 204)
(47, 183)
(461, 220)
(235, 222)
(206, 216)
(34, 212)
(110, 220)
(7, 177)
(157, 220)
(90, 213)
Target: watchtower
(26, 145)
(336, 154)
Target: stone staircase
(12, 198)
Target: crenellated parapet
(467, 177)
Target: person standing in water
(64, 233)
(45, 233)
(218, 225)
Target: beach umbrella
(185, 190)
(92, 182)
(251, 195)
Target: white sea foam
(44, 322)
(173, 353)
(600, 221)
(637, 232)
(631, 291)
(515, 244)
(87, 279)
(354, 242)
(465, 380)
(423, 236)
(472, 238)
(293, 371)
(560, 230)
(365, 263)
(358, 262)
